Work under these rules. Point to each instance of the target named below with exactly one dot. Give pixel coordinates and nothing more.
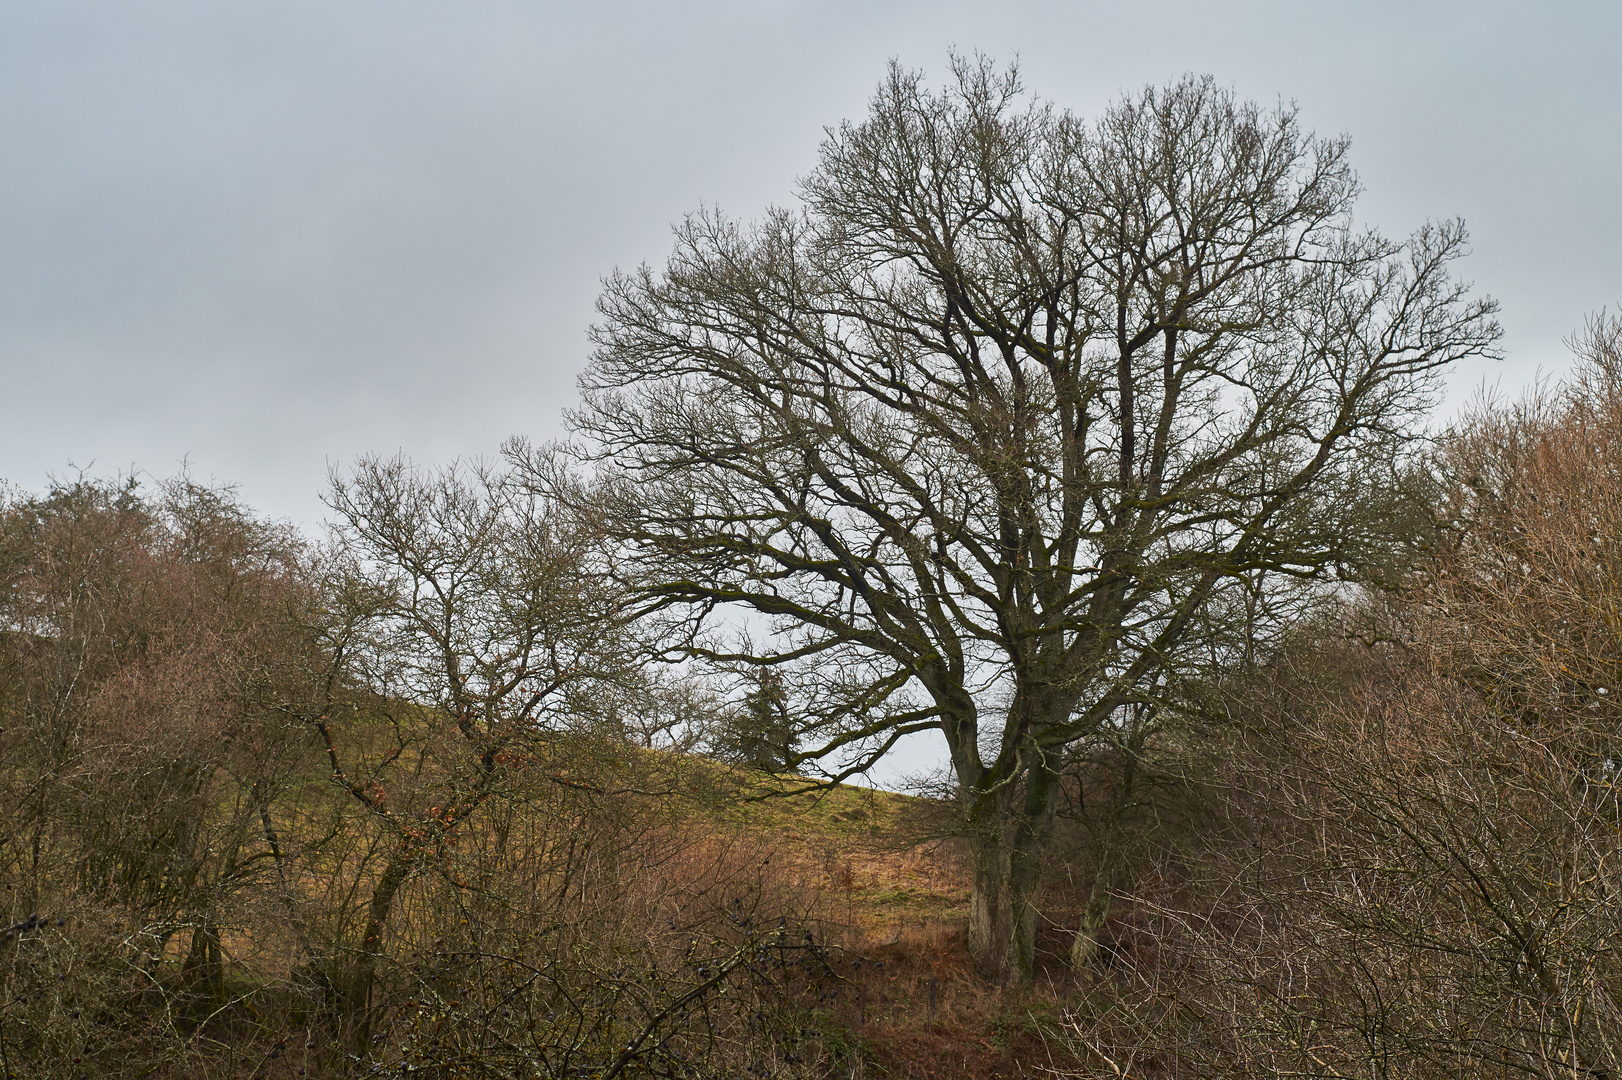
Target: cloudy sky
(266, 238)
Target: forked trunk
(1008, 839)
(203, 974)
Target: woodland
(1277, 713)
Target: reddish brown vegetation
(259, 821)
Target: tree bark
(990, 913)
(1008, 834)
(1111, 852)
(202, 976)
(357, 1001)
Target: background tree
(147, 637)
(1410, 864)
(509, 883)
(759, 731)
(145, 640)
(989, 433)
(1520, 599)
(468, 625)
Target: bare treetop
(1000, 430)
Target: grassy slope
(894, 895)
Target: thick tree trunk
(1008, 838)
(990, 913)
(1032, 834)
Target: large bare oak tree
(994, 432)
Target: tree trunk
(1008, 837)
(1111, 850)
(1094, 915)
(1033, 831)
(202, 976)
(990, 913)
(357, 999)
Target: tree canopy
(997, 432)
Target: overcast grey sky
(273, 236)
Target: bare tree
(476, 625)
(146, 635)
(1520, 599)
(398, 801)
(1413, 869)
(984, 437)
(1396, 883)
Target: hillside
(893, 894)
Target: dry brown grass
(892, 893)
(885, 902)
